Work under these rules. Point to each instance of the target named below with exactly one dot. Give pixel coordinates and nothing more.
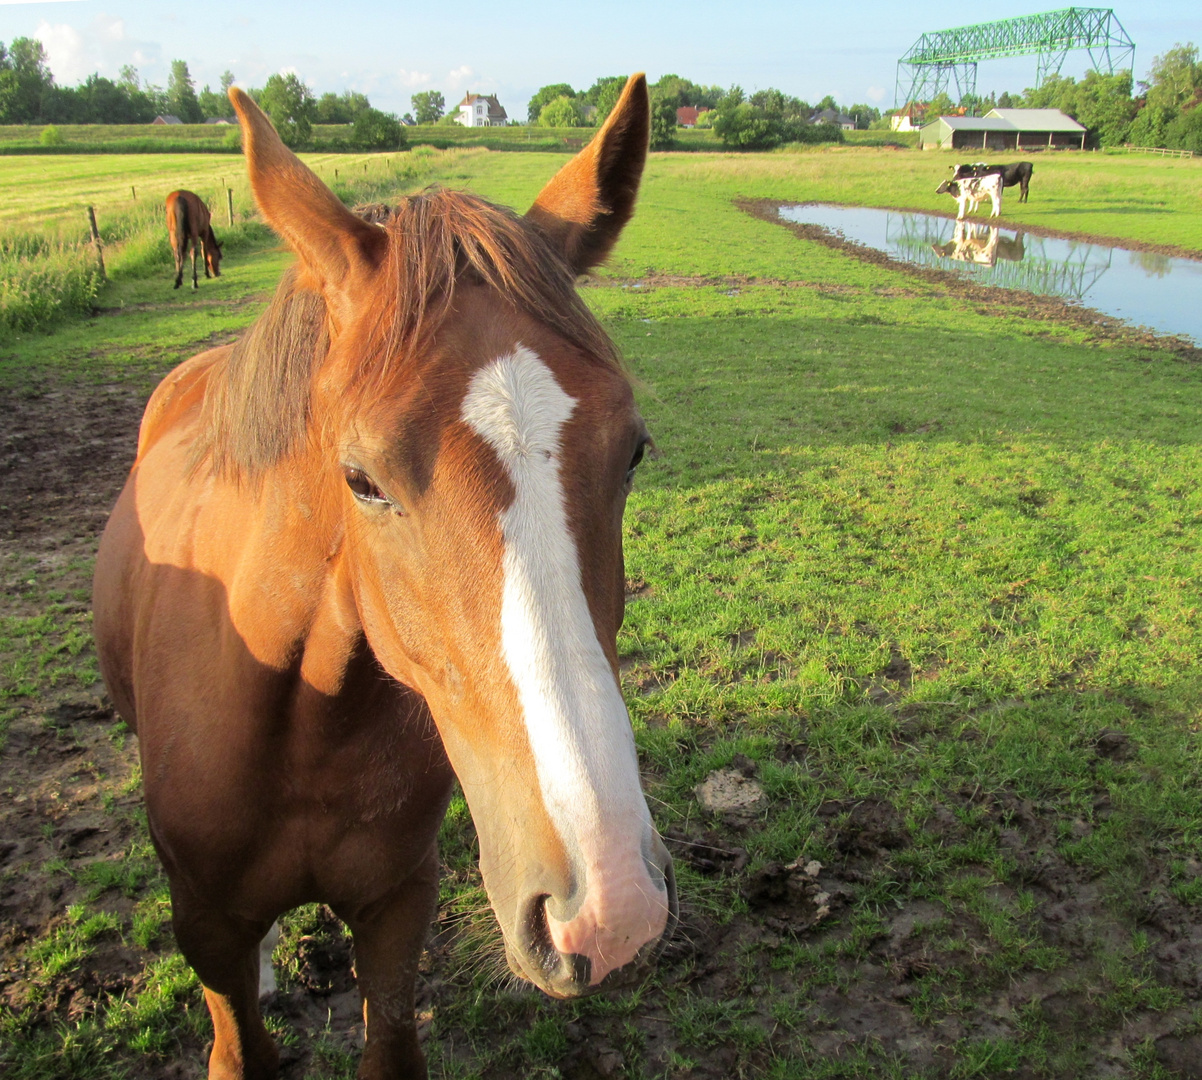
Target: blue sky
(512, 47)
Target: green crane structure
(939, 59)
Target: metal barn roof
(1035, 119)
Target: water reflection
(1147, 288)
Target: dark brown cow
(188, 221)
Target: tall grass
(51, 273)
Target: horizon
(496, 55)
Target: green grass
(941, 550)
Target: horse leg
(224, 952)
(205, 258)
(179, 265)
(388, 942)
(195, 249)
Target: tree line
(1163, 111)
(30, 95)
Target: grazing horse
(188, 221)
(376, 545)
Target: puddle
(1160, 292)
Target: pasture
(922, 566)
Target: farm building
(166, 119)
(833, 116)
(686, 115)
(1004, 129)
(481, 110)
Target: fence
(1159, 150)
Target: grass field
(927, 569)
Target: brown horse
(377, 540)
(188, 221)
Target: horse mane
(257, 407)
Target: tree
(181, 94)
(428, 106)
(212, 104)
(375, 130)
(604, 94)
(544, 97)
(663, 120)
(31, 79)
(1175, 76)
(227, 80)
(128, 77)
(341, 108)
(289, 103)
(562, 112)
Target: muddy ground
(66, 800)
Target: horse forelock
(258, 408)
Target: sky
(512, 47)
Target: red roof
(686, 116)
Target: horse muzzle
(612, 940)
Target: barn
(1004, 129)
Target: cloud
(412, 78)
(875, 93)
(102, 46)
(459, 76)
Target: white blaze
(575, 716)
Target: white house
(481, 110)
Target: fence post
(96, 241)
(133, 191)
(229, 204)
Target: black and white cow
(1017, 173)
(972, 190)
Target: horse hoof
(176, 285)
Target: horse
(372, 547)
(188, 221)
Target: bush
(560, 113)
(51, 136)
(375, 130)
(748, 127)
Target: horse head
(472, 436)
(213, 255)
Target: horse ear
(337, 248)
(588, 202)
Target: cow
(188, 221)
(973, 190)
(1019, 172)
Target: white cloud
(412, 78)
(102, 46)
(875, 93)
(459, 76)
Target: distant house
(686, 115)
(910, 118)
(1004, 129)
(833, 116)
(481, 110)
(221, 120)
(166, 120)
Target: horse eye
(362, 487)
(634, 463)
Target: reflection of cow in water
(981, 244)
(1017, 173)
